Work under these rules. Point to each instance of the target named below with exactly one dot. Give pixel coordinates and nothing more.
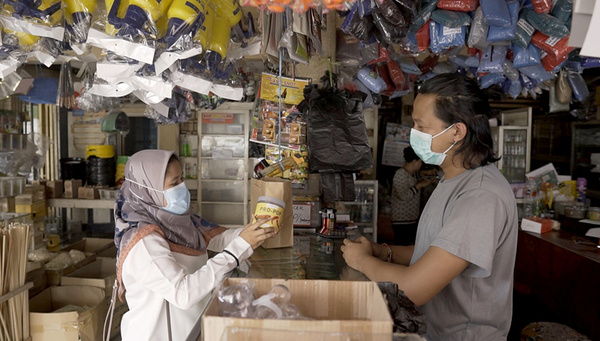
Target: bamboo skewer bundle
(14, 313)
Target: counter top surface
(566, 240)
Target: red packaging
(541, 6)
(459, 5)
(510, 55)
(550, 62)
(423, 37)
(557, 48)
(383, 56)
(396, 73)
(382, 71)
(473, 51)
(429, 63)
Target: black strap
(234, 257)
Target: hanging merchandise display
(496, 34)
(542, 6)
(524, 30)
(547, 24)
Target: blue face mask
(178, 198)
(421, 144)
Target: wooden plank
(14, 293)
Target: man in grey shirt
(460, 269)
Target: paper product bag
(282, 190)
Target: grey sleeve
(472, 228)
(402, 187)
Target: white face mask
(178, 197)
(421, 144)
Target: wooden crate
(37, 210)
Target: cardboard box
(90, 192)
(335, 306)
(101, 247)
(32, 194)
(72, 188)
(69, 326)
(100, 274)
(54, 189)
(37, 210)
(53, 276)
(36, 273)
(536, 225)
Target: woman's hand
(255, 235)
(423, 183)
(355, 252)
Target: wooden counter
(563, 275)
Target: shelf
(587, 145)
(352, 203)
(191, 183)
(224, 135)
(212, 158)
(81, 203)
(221, 180)
(364, 223)
(296, 148)
(550, 158)
(222, 202)
(592, 193)
(188, 134)
(369, 230)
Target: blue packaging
(492, 59)
(525, 57)
(496, 33)
(495, 12)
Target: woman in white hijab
(162, 266)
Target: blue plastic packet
(409, 42)
(574, 65)
(578, 86)
(443, 37)
(345, 27)
(371, 79)
(562, 10)
(409, 66)
(589, 62)
(461, 61)
(537, 73)
(427, 76)
(527, 82)
(364, 8)
(495, 12)
(526, 57)
(527, 4)
(491, 79)
(423, 16)
(450, 18)
(515, 89)
(492, 59)
(524, 30)
(478, 31)
(496, 33)
(547, 24)
(473, 61)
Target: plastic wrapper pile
(521, 46)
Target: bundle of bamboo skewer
(14, 312)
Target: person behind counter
(460, 269)
(406, 197)
(162, 265)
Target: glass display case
(363, 210)
(585, 155)
(222, 156)
(512, 143)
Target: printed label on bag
(552, 41)
(451, 30)
(522, 23)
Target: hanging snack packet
(515, 89)
(547, 24)
(524, 30)
(396, 73)
(563, 89)
(542, 6)
(390, 12)
(408, 65)
(497, 34)
(408, 9)
(423, 37)
(492, 59)
(451, 19)
(495, 12)
(510, 71)
(550, 63)
(371, 79)
(460, 5)
(443, 37)
(479, 31)
(525, 57)
(557, 48)
(563, 10)
(491, 79)
(537, 73)
(423, 16)
(527, 82)
(578, 86)
(589, 62)
(392, 34)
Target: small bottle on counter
(581, 189)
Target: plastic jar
(272, 208)
(594, 213)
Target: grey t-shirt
(472, 216)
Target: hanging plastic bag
(525, 57)
(429, 62)
(348, 50)
(451, 19)
(408, 65)
(574, 65)
(445, 67)
(537, 73)
(515, 89)
(547, 24)
(479, 31)
(497, 34)
(563, 89)
(423, 37)
(589, 62)
(510, 71)
(554, 105)
(473, 61)
(461, 5)
(395, 73)
(443, 37)
(495, 12)
(550, 63)
(557, 48)
(562, 10)
(371, 79)
(382, 56)
(392, 34)
(364, 8)
(524, 30)
(542, 6)
(461, 61)
(423, 16)
(390, 12)
(527, 82)
(491, 79)
(408, 9)
(427, 76)
(382, 72)
(492, 59)
(358, 27)
(578, 86)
